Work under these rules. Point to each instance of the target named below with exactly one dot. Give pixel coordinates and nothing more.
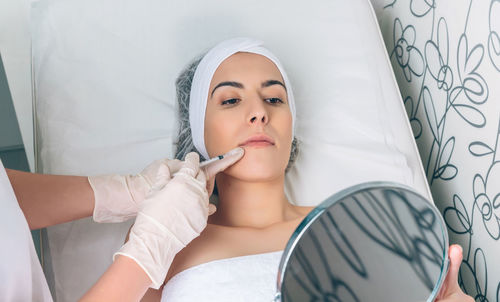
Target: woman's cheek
(258, 167)
(216, 135)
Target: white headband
(203, 76)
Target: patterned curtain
(446, 58)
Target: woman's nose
(258, 115)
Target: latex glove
(451, 291)
(171, 217)
(118, 197)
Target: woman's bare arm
(51, 199)
(124, 280)
(106, 289)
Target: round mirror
(372, 242)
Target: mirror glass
(372, 242)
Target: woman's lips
(257, 144)
(261, 140)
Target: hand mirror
(376, 241)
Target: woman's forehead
(245, 63)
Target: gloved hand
(171, 217)
(118, 197)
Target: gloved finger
(163, 170)
(211, 209)
(199, 183)
(229, 159)
(174, 165)
(210, 186)
(202, 178)
(150, 172)
(191, 165)
(162, 177)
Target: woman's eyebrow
(233, 84)
(272, 82)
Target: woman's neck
(252, 204)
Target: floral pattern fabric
(446, 58)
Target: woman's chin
(250, 169)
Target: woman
(240, 96)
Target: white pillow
(104, 76)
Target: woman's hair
(184, 139)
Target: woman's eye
(230, 102)
(274, 101)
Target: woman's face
(247, 106)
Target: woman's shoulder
(304, 210)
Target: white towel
(245, 278)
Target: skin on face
(246, 98)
